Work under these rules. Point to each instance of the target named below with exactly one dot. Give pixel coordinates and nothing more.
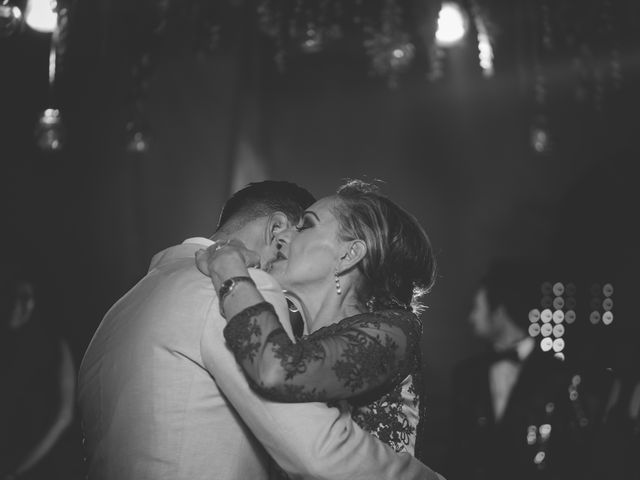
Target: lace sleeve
(344, 360)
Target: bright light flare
(485, 54)
(41, 15)
(452, 24)
(10, 19)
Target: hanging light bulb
(41, 15)
(312, 39)
(485, 53)
(50, 131)
(539, 135)
(137, 137)
(10, 19)
(452, 24)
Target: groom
(151, 379)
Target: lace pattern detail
(393, 418)
(244, 334)
(372, 360)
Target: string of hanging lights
(395, 36)
(10, 19)
(47, 17)
(395, 39)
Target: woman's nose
(283, 238)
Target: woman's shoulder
(397, 317)
(379, 319)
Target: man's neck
(510, 335)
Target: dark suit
(483, 448)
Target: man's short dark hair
(515, 284)
(259, 199)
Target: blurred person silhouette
(511, 415)
(616, 433)
(38, 384)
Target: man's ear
(352, 255)
(277, 222)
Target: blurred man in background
(512, 416)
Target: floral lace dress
(369, 361)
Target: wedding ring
(219, 244)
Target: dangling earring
(338, 289)
(370, 304)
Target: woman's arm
(64, 415)
(358, 355)
(308, 440)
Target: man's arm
(308, 440)
(64, 415)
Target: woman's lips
(279, 257)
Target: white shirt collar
(524, 347)
(205, 242)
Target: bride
(355, 266)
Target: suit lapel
(526, 381)
(484, 389)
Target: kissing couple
(196, 372)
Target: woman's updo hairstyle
(399, 266)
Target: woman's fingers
(205, 258)
(251, 258)
(202, 261)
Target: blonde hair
(399, 266)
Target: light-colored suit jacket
(151, 409)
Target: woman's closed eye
(304, 224)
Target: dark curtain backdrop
(456, 153)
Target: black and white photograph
(320, 239)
